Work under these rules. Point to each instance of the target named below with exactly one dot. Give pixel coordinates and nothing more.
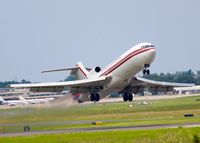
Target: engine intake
(97, 69)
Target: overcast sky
(36, 35)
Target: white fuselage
(126, 67)
(38, 101)
(14, 102)
(25, 101)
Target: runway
(101, 129)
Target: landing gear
(95, 97)
(146, 70)
(127, 97)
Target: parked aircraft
(119, 76)
(12, 102)
(36, 101)
(23, 101)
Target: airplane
(35, 101)
(23, 101)
(119, 76)
(12, 102)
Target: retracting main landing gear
(127, 97)
(146, 70)
(95, 97)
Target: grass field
(179, 135)
(169, 111)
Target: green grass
(179, 135)
(169, 111)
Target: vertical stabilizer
(1, 99)
(21, 98)
(81, 72)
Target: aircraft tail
(21, 98)
(78, 72)
(81, 73)
(1, 99)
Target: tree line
(5, 84)
(180, 77)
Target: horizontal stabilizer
(63, 69)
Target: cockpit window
(147, 46)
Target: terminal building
(13, 94)
(188, 90)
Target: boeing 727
(119, 76)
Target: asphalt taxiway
(102, 129)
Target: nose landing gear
(146, 70)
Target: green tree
(180, 77)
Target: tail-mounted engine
(97, 69)
(94, 71)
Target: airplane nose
(153, 52)
(151, 56)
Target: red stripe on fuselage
(120, 61)
(129, 56)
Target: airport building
(13, 94)
(188, 90)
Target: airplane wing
(138, 84)
(59, 86)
